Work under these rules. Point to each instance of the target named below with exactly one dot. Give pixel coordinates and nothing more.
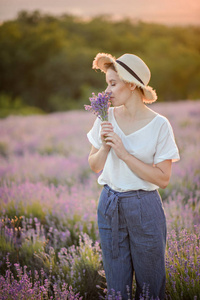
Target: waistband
(127, 194)
(111, 210)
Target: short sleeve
(166, 146)
(94, 136)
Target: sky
(170, 12)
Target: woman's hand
(106, 128)
(97, 157)
(114, 141)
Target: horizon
(168, 12)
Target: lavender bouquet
(99, 105)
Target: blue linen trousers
(132, 228)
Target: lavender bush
(48, 203)
(24, 288)
(183, 264)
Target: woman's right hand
(106, 127)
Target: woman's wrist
(105, 148)
(126, 157)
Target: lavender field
(49, 243)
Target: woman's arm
(97, 157)
(158, 174)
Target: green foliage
(4, 149)
(5, 246)
(46, 61)
(79, 266)
(9, 106)
(34, 209)
(23, 252)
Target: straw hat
(130, 68)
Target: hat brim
(102, 59)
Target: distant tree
(46, 60)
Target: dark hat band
(130, 71)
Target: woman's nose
(107, 89)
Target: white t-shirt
(151, 144)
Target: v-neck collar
(127, 135)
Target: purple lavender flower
(99, 105)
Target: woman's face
(120, 91)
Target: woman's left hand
(114, 141)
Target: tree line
(45, 61)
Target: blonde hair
(110, 66)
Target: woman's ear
(132, 86)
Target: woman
(134, 150)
